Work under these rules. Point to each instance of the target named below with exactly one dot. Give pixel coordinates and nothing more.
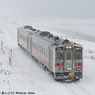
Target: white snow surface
(26, 75)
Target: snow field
(24, 74)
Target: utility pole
(2, 46)
(10, 57)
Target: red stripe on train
(77, 64)
(59, 64)
(46, 59)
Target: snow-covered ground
(26, 75)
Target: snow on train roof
(27, 29)
(45, 35)
(54, 40)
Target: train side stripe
(77, 64)
(46, 59)
(59, 64)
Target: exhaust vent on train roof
(50, 35)
(46, 34)
(28, 27)
(66, 41)
(34, 29)
(56, 38)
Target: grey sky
(49, 8)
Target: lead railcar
(64, 59)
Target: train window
(78, 54)
(46, 54)
(44, 51)
(40, 49)
(59, 53)
(34, 45)
(68, 55)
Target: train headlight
(78, 69)
(67, 47)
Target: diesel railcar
(63, 58)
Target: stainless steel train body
(62, 57)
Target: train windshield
(68, 55)
(78, 54)
(59, 53)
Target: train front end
(68, 62)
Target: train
(63, 58)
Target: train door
(29, 43)
(68, 61)
(50, 58)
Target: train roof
(54, 40)
(46, 36)
(27, 29)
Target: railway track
(8, 30)
(76, 89)
(12, 34)
(82, 88)
(73, 87)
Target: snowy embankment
(26, 75)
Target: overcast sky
(49, 8)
